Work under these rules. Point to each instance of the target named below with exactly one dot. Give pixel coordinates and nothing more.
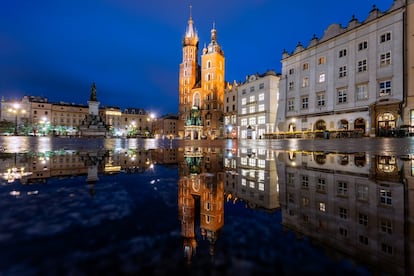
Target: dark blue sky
(132, 49)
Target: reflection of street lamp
(15, 110)
(44, 124)
(151, 120)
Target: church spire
(191, 31)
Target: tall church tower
(189, 73)
(201, 88)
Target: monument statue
(93, 93)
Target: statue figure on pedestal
(93, 93)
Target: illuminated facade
(230, 111)
(408, 114)
(201, 88)
(257, 105)
(353, 78)
(166, 127)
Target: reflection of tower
(196, 186)
(186, 206)
(212, 207)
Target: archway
(359, 124)
(386, 124)
(320, 125)
(292, 127)
(343, 124)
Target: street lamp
(16, 110)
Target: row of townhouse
(37, 116)
(354, 78)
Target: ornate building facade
(352, 78)
(201, 88)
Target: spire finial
(191, 11)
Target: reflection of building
(165, 156)
(349, 203)
(201, 88)
(38, 167)
(353, 77)
(200, 184)
(251, 176)
(409, 178)
(14, 166)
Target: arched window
(196, 99)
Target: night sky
(132, 49)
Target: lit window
(252, 121)
(322, 206)
(261, 97)
(305, 66)
(305, 82)
(243, 101)
(261, 120)
(321, 60)
(322, 77)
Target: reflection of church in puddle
(200, 187)
(354, 204)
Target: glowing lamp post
(16, 110)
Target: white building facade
(350, 79)
(257, 105)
